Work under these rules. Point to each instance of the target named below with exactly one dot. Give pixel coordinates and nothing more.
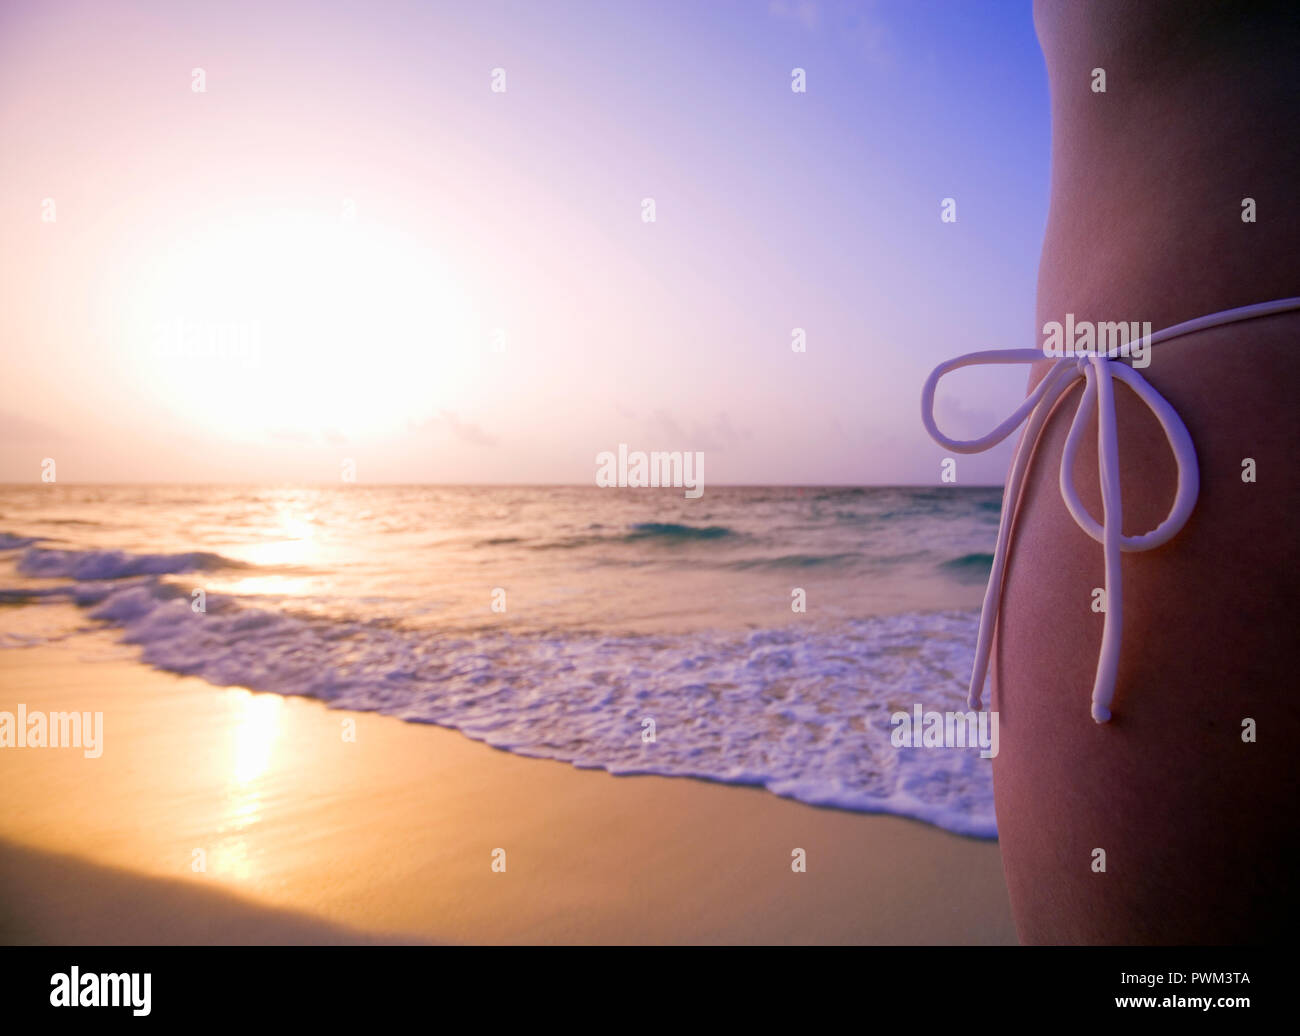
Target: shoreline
(306, 837)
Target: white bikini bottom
(1097, 372)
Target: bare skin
(1199, 828)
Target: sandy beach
(311, 838)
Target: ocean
(629, 630)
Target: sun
(290, 324)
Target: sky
(250, 242)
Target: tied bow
(1099, 374)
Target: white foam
(801, 711)
(112, 564)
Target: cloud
(807, 12)
(15, 428)
(306, 437)
(663, 431)
(851, 23)
(294, 435)
(465, 431)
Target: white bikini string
(1097, 372)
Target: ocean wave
(801, 711)
(639, 532)
(973, 567)
(570, 543)
(842, 493)
(673, 531)
(32, 594)
(796, 561)
(115, 564)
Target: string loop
(1099, 374)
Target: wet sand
(310, 838)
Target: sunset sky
(351, 204)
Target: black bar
(612, 985)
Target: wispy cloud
(666, 432)
(807, 12)
(16, 428)
(465, 431)
(853, 24)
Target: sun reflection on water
(255, 735)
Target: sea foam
(113, 564)
(801, 710)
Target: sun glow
(256, 732)
(298, 327)
(255, 737)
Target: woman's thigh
(1196, 818)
